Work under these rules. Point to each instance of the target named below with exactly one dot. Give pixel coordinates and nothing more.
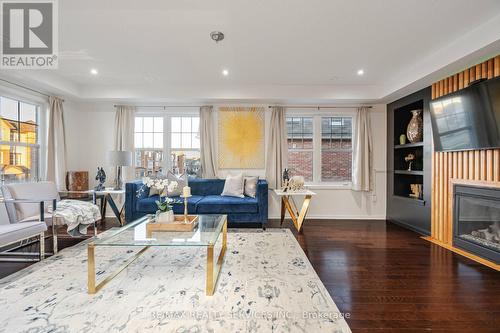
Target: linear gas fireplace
(476, 221)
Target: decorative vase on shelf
(415, 129)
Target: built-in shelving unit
(403, 206)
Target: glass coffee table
(135, 234)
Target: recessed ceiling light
(225, 72)
(94, 71)
(361, 72)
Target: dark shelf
(408, 211)
(409, 145)
(409, 199)
(406, 172)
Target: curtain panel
(56, 144)
(362, 171)
(277, 151)
(207, 142)
(124, 135)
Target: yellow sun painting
(241, 137)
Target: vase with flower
(164, 214)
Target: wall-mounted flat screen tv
(468, 119)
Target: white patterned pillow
(182, 181)
(251, 186)
(234, 186)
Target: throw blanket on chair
(77, 215)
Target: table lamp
(119, 159)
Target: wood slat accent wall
(480, 165)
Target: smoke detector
(216, 36)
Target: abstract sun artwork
(241, 138)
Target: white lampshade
(119, 158)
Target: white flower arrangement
(159, 184)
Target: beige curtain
(56, 144)
(277, 152)
(362, 154)
(207, 142)
(124, 135)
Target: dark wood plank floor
(390, 280)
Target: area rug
(266, 284)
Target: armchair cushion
(14, 232)
(36, 218)
(27, 191)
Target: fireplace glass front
(477, 221)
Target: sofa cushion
(200, 186)
(148, 205)
(216, 204)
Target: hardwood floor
(389, 280)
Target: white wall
(89, 130)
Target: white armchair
(33, 202)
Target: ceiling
(288, 50)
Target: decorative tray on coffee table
(179, 224)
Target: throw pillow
(182, 180)
(234, 186)
(251, 186)
(153, 191)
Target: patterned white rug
(266, 285)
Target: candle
(186, 191)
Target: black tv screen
(468, 119)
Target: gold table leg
(303, 211)
(297, 218)
(92, 287)
(213, 272)
(282, 211)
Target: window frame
(317, 115)
(167, 116)
(40, 108)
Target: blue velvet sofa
(206, 199)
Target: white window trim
(43, 107)
(167, 115)
(317, 115)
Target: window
(300, 146)
(185, 145)
(180, 141)
(336, 149)
(19, 141)
(148, 141)
(320, 147)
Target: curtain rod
(27, 88)
(162, 106)
(321, 107)
(270, 106)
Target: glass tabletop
(135, 233)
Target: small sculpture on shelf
(416, 191)
(410, 158)
(101, 177)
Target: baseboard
(337, 217)
(464, 253)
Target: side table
(288, 204)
